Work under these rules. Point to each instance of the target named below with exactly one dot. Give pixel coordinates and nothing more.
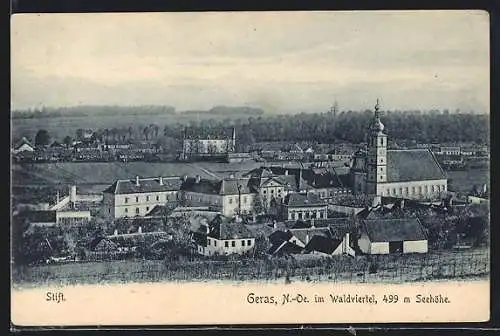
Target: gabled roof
(284, 247)
(413, 165)
(172, 183)
(302, 199)
(400, 229)
(302, 234)
(41, 216)
(322, 244)
(278, 236)
(23, 141)
(227, 186)
(222, 228)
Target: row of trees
(318, 127)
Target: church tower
(376, 163)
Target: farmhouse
(384, 236)
(23, 145)
(224, 237)
(413, 173)
(128, 198)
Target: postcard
(225, 168)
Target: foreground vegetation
(362, 268)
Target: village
(375, 200)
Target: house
(223, 236)
(408, 173)
(23, 145)
(304, 206)
(230, 196)
(202, 145)
(311, 239)
(272, 187)
(384, 236)
(128, 198)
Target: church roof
(413, 165)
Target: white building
(129, 198)
(224, 237)
(230, 196)
(412, 174)
(384, 236)
(304, 206)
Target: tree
(68, 141)
(42, 138)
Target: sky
(278, 61)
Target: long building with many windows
(129, 198)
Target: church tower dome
(376, 126)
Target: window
(242, 243)
(249, 242)
(419, 189)
(406, 190)
(394, 191)
(381, 177)
(233, 243)
(244, 199)
(320, 215)
(272, 191)
(109, 210)
(208, 241)
(432, 189)
(147, 198)
(388, 191)
(264, 191)
(426, 188)
(126, 199)
(381, 169)
(226, 244)
(300, 215)
(137, 199)
(413, 190)
(444, 187)
(215, 243)
(137, 210)
(230, 200)
(401, 191)
(293, 215)
(157, 198)
(147, 208)
(126, 210)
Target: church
(407, 173)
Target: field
(59, 127)
(360, 269)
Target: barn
(384, 236)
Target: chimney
(72, 194)
(57, 197)
(377, 200)
(115, 233)
(207, 229)
(198, 178)
(139, 230)
(161, 180)
(184, 178)
(286, 172)
(346, 242)
(137, 181)
(231, 176)
(275, 225)
(307, 238)
(402, 204)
